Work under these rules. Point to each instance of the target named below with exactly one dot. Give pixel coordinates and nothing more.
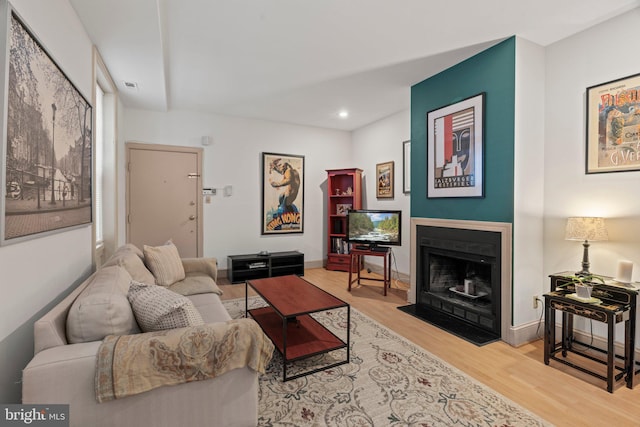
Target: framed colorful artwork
(282, 193)
(384, 180)
(455, 149)
(613, 126)
(46, 144)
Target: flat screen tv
(374, 227)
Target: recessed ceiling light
(343, 114)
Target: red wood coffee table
(287, 321)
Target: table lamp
(585, 229)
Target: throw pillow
(128, 259)
(165, 263)
(102, 308)
(157, 308)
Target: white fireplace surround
(505, 230)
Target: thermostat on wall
(208, 191)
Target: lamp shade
(586, 228)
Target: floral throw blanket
(132, 364)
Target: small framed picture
(406, 167)
(384, 180)
(343, 208)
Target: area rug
(388, 382)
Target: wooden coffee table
(287, 321)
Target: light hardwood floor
(558, 394)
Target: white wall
(232, 224)
(528, 276)
(35, 273)
(381, 142)
(594, 56)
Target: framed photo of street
(282, 193)
(46, 140)
(613, 126)
(455, 149)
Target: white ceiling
(302, 61)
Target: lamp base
(585, 261)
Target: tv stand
(356, 263)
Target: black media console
(256, 266)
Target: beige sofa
(64, 373)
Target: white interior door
(164, 197)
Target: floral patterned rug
(388, 382)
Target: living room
(544, 108)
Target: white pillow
(102, 308)
(157, 308)
(165, 263)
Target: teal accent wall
(493, 72)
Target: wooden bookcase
(344, 191)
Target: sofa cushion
(196, 283)
(157, 308)
(102, 308)
(129, 257)
(165, 264)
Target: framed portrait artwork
(384, 180)
(613, 126)
(455, 144)
(46, 141)
(282, 193)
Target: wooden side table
(356, 257)
(616, 304)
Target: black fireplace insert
(458, 282)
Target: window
(105, 207)
(99, 159)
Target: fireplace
(461, 276)
(458, 274)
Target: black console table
(614, 303)
(256, 266)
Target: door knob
(192, 217)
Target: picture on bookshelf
(343, 208)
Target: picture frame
(455, 149)
(47, 136)
(384, 180)
(613, 126)
(406, 167)
(282, 194)
(343, 208)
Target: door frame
(132, 145)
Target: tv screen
(374, 227)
